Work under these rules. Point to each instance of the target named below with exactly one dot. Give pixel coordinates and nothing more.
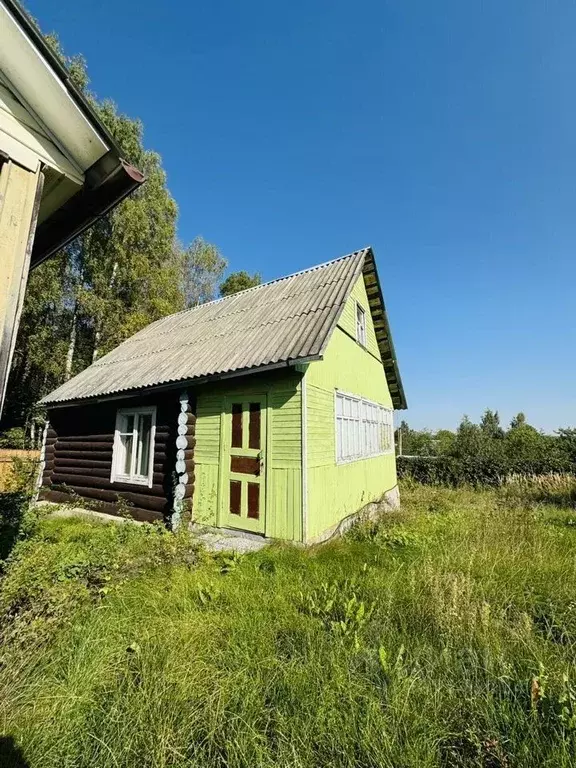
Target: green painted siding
(283, 450)
(338, 490)
(348, 317)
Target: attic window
(360, 325)
(133, 454)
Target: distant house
(60, 169)
(268, 411)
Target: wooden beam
(20, 194)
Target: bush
(475, 470)
(23, 477)
(13, 438)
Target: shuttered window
(133, 454)
(363, 428)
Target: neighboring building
(269, 411)
(60, 169)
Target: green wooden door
(243, 457)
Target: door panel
(243, 463)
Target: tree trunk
(97, 335)
(71, 344)
(98, 330)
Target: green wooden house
(268, 411)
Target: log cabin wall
(78, 457)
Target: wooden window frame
(371, 433)
(360, 325)
(118, 453)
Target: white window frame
(116, 476)
(362, 428)
(360, 324)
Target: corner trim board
(304, 459)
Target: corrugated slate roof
(284, 321)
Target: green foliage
(239, 281)
(490, 425)
(122, 647)
(23, 476)
(15, 437)
(485, 454)
(125, 272)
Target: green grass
(443, 636)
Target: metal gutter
(85, 207)
(39, 42)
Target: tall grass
(555, 487)
(441, 636)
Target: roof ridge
(256, 287)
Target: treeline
(128, 270)
(483, 453)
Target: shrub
(476, 470)
(13, 438)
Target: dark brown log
(101, 472)
(189, 490)
(94, 455)
(87, 481)
(189, 455)
(103, 438)
(90, 471)
(85, 464)
(85, 461)
(145, 502)
(83, 446)
(51, 432)
(187, 431)
(50, 441)
(191, 418)
(145, 515)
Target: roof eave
(84, 139)
(383, 332)
(180, 384)
(108, 182)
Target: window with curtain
(363, 428)
(133, 455)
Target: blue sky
(443, 134)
